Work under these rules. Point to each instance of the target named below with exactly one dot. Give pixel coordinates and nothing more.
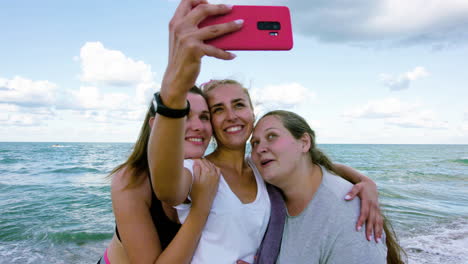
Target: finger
(212, 51)
(370, 225)
(354, 191)
(214, 31)
(363, 215)
(205, 163)
(200, 12)
(196, 170)
(204, 167)
(378, 229)
(184, 8)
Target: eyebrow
(253, 137)
(232, 101)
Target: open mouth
(233, 129)
(265, 163)
(195, 140)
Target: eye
(254, 143)
(216, 110)
(205, 117)
(271, 136)
(239, 105)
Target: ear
(151, 121)
(306, 142)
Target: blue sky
(363, 71)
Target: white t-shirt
(233, 230)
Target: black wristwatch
(169, 112)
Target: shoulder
(332, 191)
(125, 184)
(335, 185)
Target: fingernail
(233, 55)
(369, 238)
(229, 6)
(347, 197)
(379, 240)
(359, 228)
(239, 21)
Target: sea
(55, 204)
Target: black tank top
(165, 227)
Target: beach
(55, 204)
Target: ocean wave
(8, 160)
(58, 146)
(441, 243)
(73, 170)
(462, 160)
(77, 237)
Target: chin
(194, 153)
(268, 177)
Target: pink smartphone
(265, 28)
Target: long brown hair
(137, 162)
(298, 126)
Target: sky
(360, 72)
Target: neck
(301, 186)
(233, 159)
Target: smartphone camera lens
(268, 25)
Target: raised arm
(366, 189)
(186, 48)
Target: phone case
(250, 37)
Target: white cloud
(89, 97)
(283, 96)
(437, 22)
(14, 115)
(101, 65)
(464, 129)
(419, 119)
(397, 113)
(389, 107)
(28, 93)
(403, 81)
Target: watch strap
(169, 112)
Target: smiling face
(275, 152)
(231, 115)
(198, 129)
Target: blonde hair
(212, 84)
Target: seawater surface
(55, 202)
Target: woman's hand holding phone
(187, 47)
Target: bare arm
(137, 232)
(186, 48)
(349, 173)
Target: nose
(195, 124)
(261, 148)
(230, 114)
